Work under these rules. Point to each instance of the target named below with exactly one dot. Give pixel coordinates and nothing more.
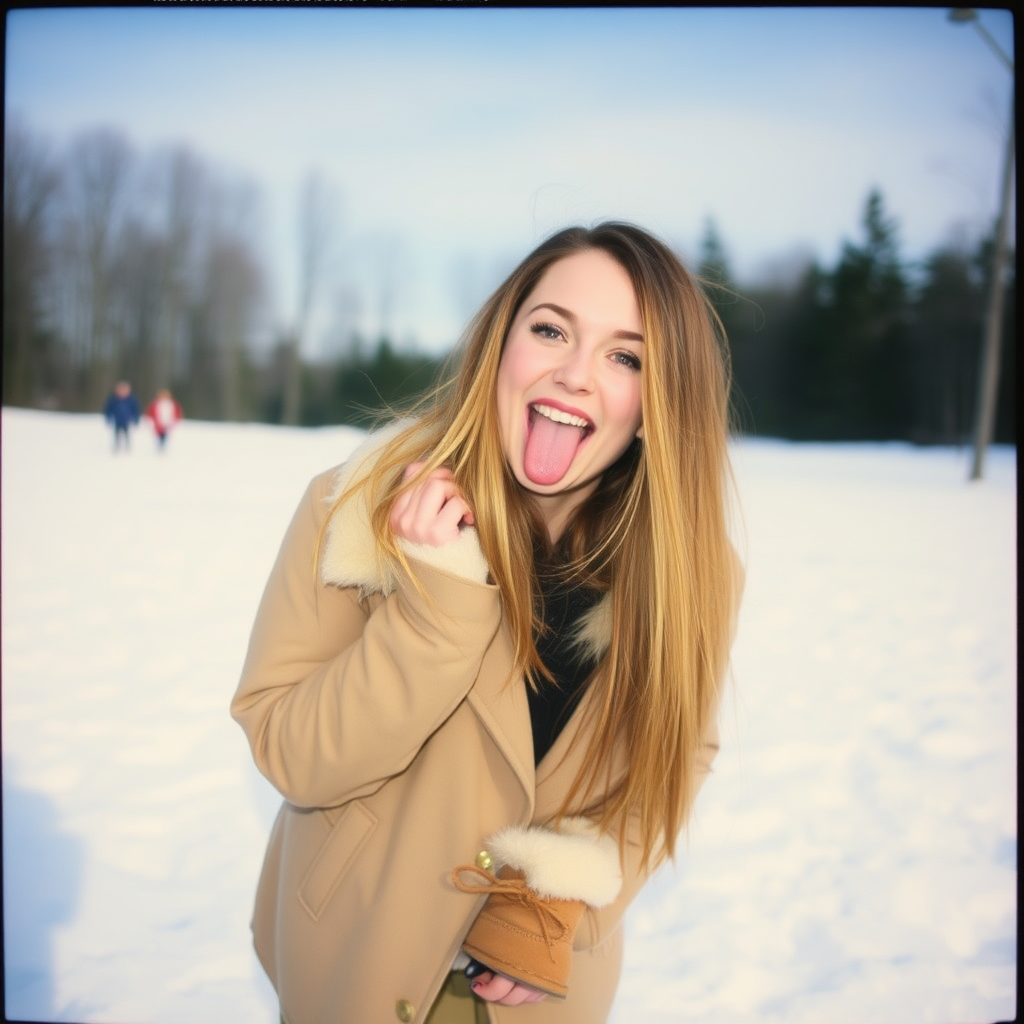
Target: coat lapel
(500, 704)
(349, 559)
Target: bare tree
(31, 181)
(392, 263)
(346, 311)
(316, 225)
(137, 276)
(182, 189)
(466, 287)
(233, 290)
(99, 168)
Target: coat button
(404, 1011)
(484, 860)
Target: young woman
(486, 670)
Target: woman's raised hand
(433, 511)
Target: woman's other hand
(496, 988)
(433, 511)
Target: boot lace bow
(552, 925)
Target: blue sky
(453, 139)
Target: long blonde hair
(654, 534)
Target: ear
(640, 431)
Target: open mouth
(553, 438)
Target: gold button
(484, 860)
(405, 1011)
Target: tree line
(873, 348)
(149, 268)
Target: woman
(486, 669)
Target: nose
(575, 371)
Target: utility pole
(988, 376)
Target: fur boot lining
(574, 863)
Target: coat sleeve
(338, 694)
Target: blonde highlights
(654, 534)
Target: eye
(627, 359)
(546, 330)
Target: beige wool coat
(386, 720)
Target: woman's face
(568, 386)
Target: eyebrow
(571, 317)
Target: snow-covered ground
(854, 855)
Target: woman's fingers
(432, 511)
(453, 513)
(435, 510)
(496, 988)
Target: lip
(561, 407)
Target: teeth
(560, 417)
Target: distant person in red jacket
(164, 411)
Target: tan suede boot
(546, 877)
(519, 933)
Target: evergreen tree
(716, 276)
(739, 319)
(389, 379)
(945, 342)
(852, 356)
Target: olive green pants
(456, 1004)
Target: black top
(554, 702)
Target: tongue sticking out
(550, 448)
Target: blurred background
(289, 215)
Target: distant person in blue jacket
(121, 412)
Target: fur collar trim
(350, 556)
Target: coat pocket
(344, 841)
